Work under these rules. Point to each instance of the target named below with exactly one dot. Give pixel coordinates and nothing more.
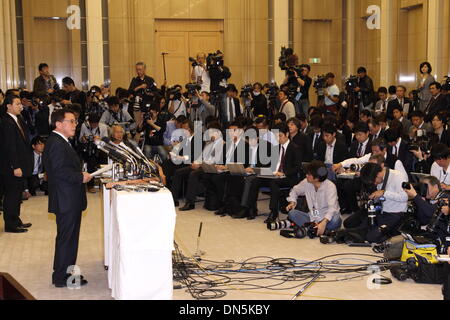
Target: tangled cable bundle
(208, 279)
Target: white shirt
(316, 137)
(396, 148)
(253, 156)
(212, 153)
(269, 136)
(202, 73)
(329, 153)
(179, 108)
(324, 200)
(438, 172)
(332, 91)
(288, 109)
(14, 117)
(101, 131)
(285, 146)
(365, 159)
(396, 197)
(230, 153)
(230, 102)
(37, 162)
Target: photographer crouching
(322, 199)
(386, 204)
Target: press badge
(315, 213)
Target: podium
(139, 232)
(10, 289)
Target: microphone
(124, 148)
(113, 154)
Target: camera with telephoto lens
(192, 88)
(437, 216)
(355, 167)
(329, 238)
(278, 225)
(175, 91)
(374, 207)
(420, 142)
(308, 229)
(351, 83)
(193, 61)
(273, 91)
(446, 81)
(404, 271)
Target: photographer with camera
(177, 102)
(96, 103)
(440, 132)
(389, 199)
(218, 73)
(419, 128)
(365, 89)
(202, 109)
(331, 94)
(155, 125)
(440, 168)
(200, 74)
(46, 83)
(321, 197)
(116, 116)
(141, 88)
(427, 201)
(258, 100)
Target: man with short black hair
(74, 96)
(440, 168)
(15, 163)
(331, 95)
(115, 115)
(362, 145)
(365, 89)
(287, 107)
(37, 179)
(437, 103)
(46, 83)
(400, 100)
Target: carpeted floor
(29, 257)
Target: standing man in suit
(231, 108)
(15, 163)
(67, 193)
(400, 100)
(437, 103)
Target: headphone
(322, 173)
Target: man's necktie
(396, 151)
(283, 156)
(230, 110)
(360, 150)
(21, 128)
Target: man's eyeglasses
(72, 121)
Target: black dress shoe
(176, 203)
(272, 218)
(16, 230)
(64, 284)
(25, 225)
(221, 212)
(252, 214)
(188, 207)
(241, 214)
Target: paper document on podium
(102, 170)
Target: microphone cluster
(132, 159)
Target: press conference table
(138, 237)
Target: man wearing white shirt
(440, 168)
(322, 199)
(331, 94)
(200, 74)
(287, 107)
(388, 184)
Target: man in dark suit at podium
(67, 194)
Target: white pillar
(281, 34)
(94, 27)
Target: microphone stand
(164, 64)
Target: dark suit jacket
(292, 163)
(435, 106)
(304, 143)
(340, 152)
(15, 150)
(315, 148)
(445, 138)
(40, 86)
(67, 193)
(240, 155)
(354, 148)
(237, 109)
(404, 155)
(391, 105)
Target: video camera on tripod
(320, 84)
(351, 83)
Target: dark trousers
(33, 183)
(13, 188)
(347, 190)
(179, 177)
(216, 183)
(359, 222)
(275, 186)
(66, 248)
(193, 185)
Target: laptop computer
(211, 168)
(238, 169)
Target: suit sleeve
(58, 166)
(10, 147)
